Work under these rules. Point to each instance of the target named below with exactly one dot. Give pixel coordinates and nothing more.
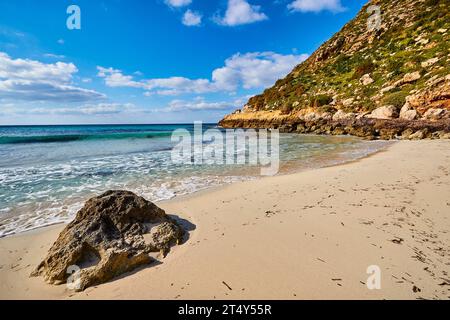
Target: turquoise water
(47, 172)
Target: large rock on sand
(112, 234)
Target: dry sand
(308, 235)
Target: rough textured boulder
(436, 95)
(386, 112)
(341, 115)
(417, 135)
(434, 114)
(366, 79)
(408, 113)
(315, 116)
(408, 78)
(112, 234)
(429, 62)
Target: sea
(48, 172)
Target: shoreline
(207, 190)
(287, 236)
(183, 197)
(341, 123)
(293, 169)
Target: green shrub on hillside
(412, 37)
(362, 69)
(321, 100)
(396, 99)
(341, 64)
(286, 108)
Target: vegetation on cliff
(403, 64)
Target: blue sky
(152, 61)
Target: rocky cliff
(385, 75)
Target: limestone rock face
(315, 116)
(408, 78)
(341, 115)
(112, 234)
(429, 62)
(411, 77)
(417, 135)
(435, 114)
(387, 89)
(247, 108)
(361, 68)
(408, 113)
(436, 96)
(385, 112)
(366, 79)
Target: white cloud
(178, 85)
(250, 71)
(115, 78)
(54, 56)
(255, 69)
(192, 18)
(40, 91)
(162, 86)
(88, 109)
(199, 104)
(11, 33)
(106, 108)
(178, 3)
(23, 79)
(20, 69)
(240, 12)
(61, 41)
(316, 5)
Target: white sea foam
(33, 196)
(53, 211)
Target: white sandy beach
(307, 235)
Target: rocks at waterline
(385, 112)
(112, 234)
(341, 115)
(408, 113)
(343, 123)
(436, 114)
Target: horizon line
(102, 124)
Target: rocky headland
(389, 81)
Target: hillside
(395, 77)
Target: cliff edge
(385, 74)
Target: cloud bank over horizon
(30, 80)
(252, 70)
